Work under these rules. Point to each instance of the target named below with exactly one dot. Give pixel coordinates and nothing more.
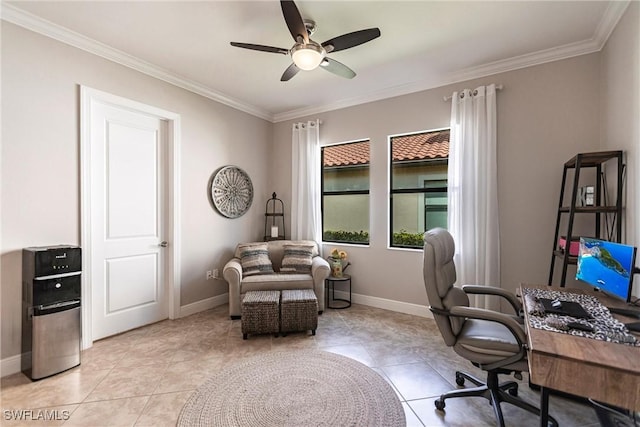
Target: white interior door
(128, 204)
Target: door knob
(163, 244)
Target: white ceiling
(424, 44)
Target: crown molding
(613, 14)
(38, 25)
(615, 10)
(496, 67)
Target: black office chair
(492, 341)
(612, 416)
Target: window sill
(395, 248)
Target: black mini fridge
(51, 303)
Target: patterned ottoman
(298, 311)
(260, 313)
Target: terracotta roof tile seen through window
(422, 146)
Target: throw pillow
(255, 259)
(297, 259)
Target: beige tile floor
(144, 377)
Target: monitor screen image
(607, 266)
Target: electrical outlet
(209, 275)
(216, 273)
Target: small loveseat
(259, 266)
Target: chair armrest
(232, 273)
(319, 269)
(492, 316)
(494, 290)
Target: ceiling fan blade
(289, 73)
(294, 20)
(356, 38)
(338, 68)
(261, 48)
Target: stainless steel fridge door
(56, 342)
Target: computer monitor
(607, 266)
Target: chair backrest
(276, 250)
(439, 273)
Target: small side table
(331, 283)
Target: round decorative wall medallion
(231, 191)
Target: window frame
(324, 193)
(414, 190)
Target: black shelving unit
(274, 217)
(600, 207)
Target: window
(345, 193)
(418, 186)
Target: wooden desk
(604, 371)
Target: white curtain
(472, 190)
(305, 193)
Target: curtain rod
(446, 98)
(303, 124)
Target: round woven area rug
(300, 388)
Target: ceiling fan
(308, 54)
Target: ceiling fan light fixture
(307, 56)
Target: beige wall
(546, 114)
(620, 118)
(40, 162)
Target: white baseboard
(202, 305)
(387, 304)
(10, 365)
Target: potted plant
(338, 262)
